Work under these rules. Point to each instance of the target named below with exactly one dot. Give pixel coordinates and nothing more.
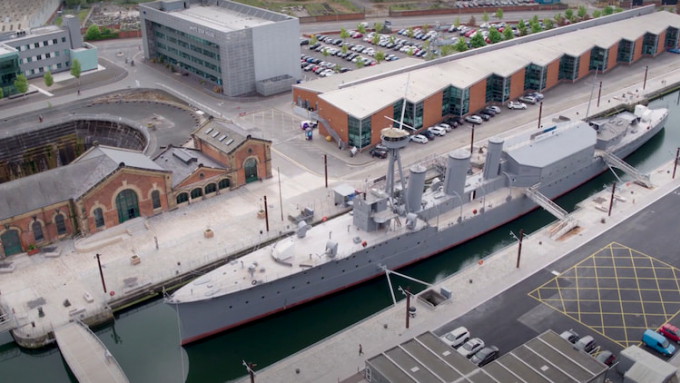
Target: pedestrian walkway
(86, 355)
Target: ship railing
(613, 161)
(551, 207)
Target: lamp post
(101, 272)
(519, 244)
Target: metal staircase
(566, 221)
(613, 161)
(330, 130)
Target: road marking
(637, 282)
(43, 91)
(555, 272)
(618, 290)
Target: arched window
(36, 228)
(182, 197)
(127, 205)
(196, 193)
(210, 188)
(223, 184)
(61, 224)
(98, 217)
(156, 199)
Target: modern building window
(45, 43)
(54, 41)
(61, 224)
(223, 184)
(649, 43)
(598, 59)
(625, 52)
(358, 132)
(535, 77)
(497, 88)
(210, 188)
(63, 39)
(36, 45)
(671, 37)
(47, 55)
(458, 100)
(568, 68)
(98, 217)
(198, 192)
(156, 199)
(36, 228)
(182, 197)
(413, 114)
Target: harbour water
(145, 340)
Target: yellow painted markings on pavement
(616, 291)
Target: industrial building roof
(223, 135)
(364, 99)
(183, 161)
(546, 358)
(219, 18)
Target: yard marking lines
(614, 292)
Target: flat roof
(545, 358)
(364, 99)
(221, 19)
(6, 49)
(544, 149)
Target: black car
(378, 152)
(490, 112)
(453, 123)
(485, 356)
(430, 136)
(459, 120)
(315, 45)
(485, 116)
(304, 42)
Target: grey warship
(394, 226)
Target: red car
(670, 332)
(470, 33)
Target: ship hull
(203, 318)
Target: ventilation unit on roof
(184, 155)
(207, 131)
(214, 134)
(222, 137)
(229, 142)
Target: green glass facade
(535, 77)
(190, 53)
(649, 42)
(456, 100)
(568, 68)
(9, 69)
(598, 59)
(359, 132)
(671, 37)
(497, 88)
(413, 115)
(625, 52)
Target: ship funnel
(457, 167)
(493, 158)
(416, 185)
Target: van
(657, 342)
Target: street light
(519, 244)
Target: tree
(75, 69)
(582, 12)
(48, 79)
(558, 17)
(343, 48)
(568, 14)
(597, 13)
(359, 64)
(391, 39)
(534, 19)
(608, 10)
(377, 27)
(324, 52)
(507, 34)
(472, 21)
(409, 32)
(93, 33)
(21, 83)
(535, 28)
(425, 28)
(499, 14)
(375, 39)
(379, 56)
(343, 33)
(573, 19)
(618, 10)
(313, 40)
(485, 17)
(477, 40)
(456, 22)
(446, 50)
(522, 27)
(361, 28)
(494, 36)
(460, 45)
(337, 68)
(548, 23)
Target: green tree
(375, 39)
(343, 33)
(391, 39)
(446, 50)
(377, 27)
(460, 45)
(522, 28)
(21, 83)
(494, 36)
(343, 49)
(568, 14)
(409, 52)
(485, 17)
(93, 33)
(425, 28)
(608, 10)
(75, 69)
(359, 64)
(336, 68)
(618, 10)
(456, 22)
(573, 19)
(361, 28)
(582, 12)
(477, 40)
(2, 94)
(379, 56)
(409, 32)
(472, 20)
(535, 28)
(558, 17)
(534, 19)
(597, 13)
(48, 79)
(499, 14)
(507, 34)
(324, 52)
(313, 40)
(548, 23)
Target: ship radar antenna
(394, 139)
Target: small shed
(637, 365)
(343, 195)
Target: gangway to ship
(86, 355)
(566, 221)
(613, 161)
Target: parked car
(304, 41)
(516, 105)
(489, 111)
(587, 344)
(528, 99)
(469, 348)
(606, 357)
(474, 119)
(494, 108)
(570, 335)
(485, 116)
(419, 138)
(657, 342)
(378, 152)
(485, 356)
(438, 130)
(428, 133)
(536, 95)
(456, 337)
(670, 332)
(446, 126)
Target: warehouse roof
(364, 99)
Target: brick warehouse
(353, 110)
(107, 186)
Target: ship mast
(394, 139)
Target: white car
(516, 105)
(528, 99)
(474, 119)
(437, 130)
(494, 108)
(456, 337)
(471, 347)
(419, 138)
(446, 127)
